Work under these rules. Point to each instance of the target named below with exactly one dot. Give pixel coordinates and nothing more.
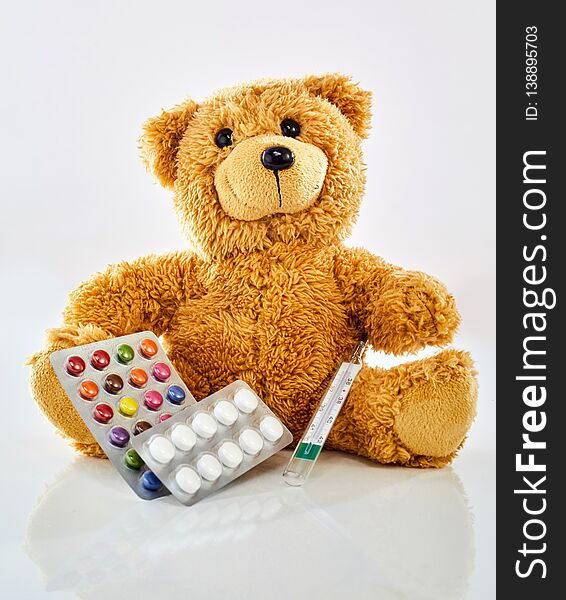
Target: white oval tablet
(188, 480)
(161, 449)
(245, 400)
(250, 441)
(204, 425)
(209, 467)
(271, 429)
(226, 412)
(183, 437)
(230, 454)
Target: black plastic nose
(277, 158)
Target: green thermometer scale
(308, 449)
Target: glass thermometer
(310, 445)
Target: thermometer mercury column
(310, 445)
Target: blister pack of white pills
(205, 446)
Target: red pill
(164, 417)
(102, 413)
(75, 366)
(100, 359)
(88, 390)
(148, 348)
(138, 378)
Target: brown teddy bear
(267, 179)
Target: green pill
(133, 460)
(125, 353)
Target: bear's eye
(290, 128)
(223, 138)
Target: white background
(77, 81)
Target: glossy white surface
(356, 530)
(70, 526)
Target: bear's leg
(49, 393)
(415, 414)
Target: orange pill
(148, 348)
(88, 389)
(138, 377)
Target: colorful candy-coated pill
(164, 417)
(271, 428)
(204, 425)
(230, 454)
(138, 378)
(150, 481)
(176, 394)
(113, 383)
(118, 436)
(161, 372)
(209, 467)
(133, 460)
(183, 437)
(226, 412)
(75, 366)
(141, 426)
(128, 406)
(148, 348)
(161, 449)
(124, 354)
(188, 480)
(245, 400)
(88, 390)
(102, 413)
(250, 441)
(100, 359)
(153, 400)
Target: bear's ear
(353, 102)
(160, 141)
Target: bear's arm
(400, 311)
(132, 296)
(124, 298)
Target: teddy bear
(267, 180)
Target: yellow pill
(128, 406)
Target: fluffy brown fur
(269, 294)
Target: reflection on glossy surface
(357, 530)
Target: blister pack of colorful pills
(122, 387)
(205, 446)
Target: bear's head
(267, 162)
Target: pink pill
(153, 400)
(161, 371)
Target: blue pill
(150, 481)
(176, 394)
